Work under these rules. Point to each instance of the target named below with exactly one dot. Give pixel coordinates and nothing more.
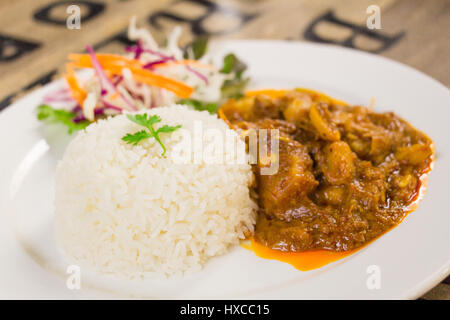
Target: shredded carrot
(77, 93)
(105, 59)
(114, 96)
(83, 63)
(145, 76)
(113, 64)
(179, 88)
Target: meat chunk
(337, 163)
(293, 181)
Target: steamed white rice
(126, 210)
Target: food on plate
(144, 77)
(346, 174)
(124, 206)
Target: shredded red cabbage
(105, 83)
(77, 108)
(61, 95)
(58, 99)
(112, 106)
(139, 49)
(117, 79)
(153, 63)
(80, 117)
(198, 74)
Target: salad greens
(211, 107)
(232, 87)
(232, 64)
(197, 47)
(45, 112)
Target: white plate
(412, 258)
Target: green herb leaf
(148, 122)
(231, 63)
(137, 137)
(144, 120)
(65, 117)
(211, 107)
(234, 88)
(198, 47)
(166, 129)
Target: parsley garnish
(147, 122)
(65, 117)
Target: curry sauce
(346, 173)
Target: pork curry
(346, 174)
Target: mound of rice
(126, 210)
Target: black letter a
(386, 41)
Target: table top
(35, 36)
